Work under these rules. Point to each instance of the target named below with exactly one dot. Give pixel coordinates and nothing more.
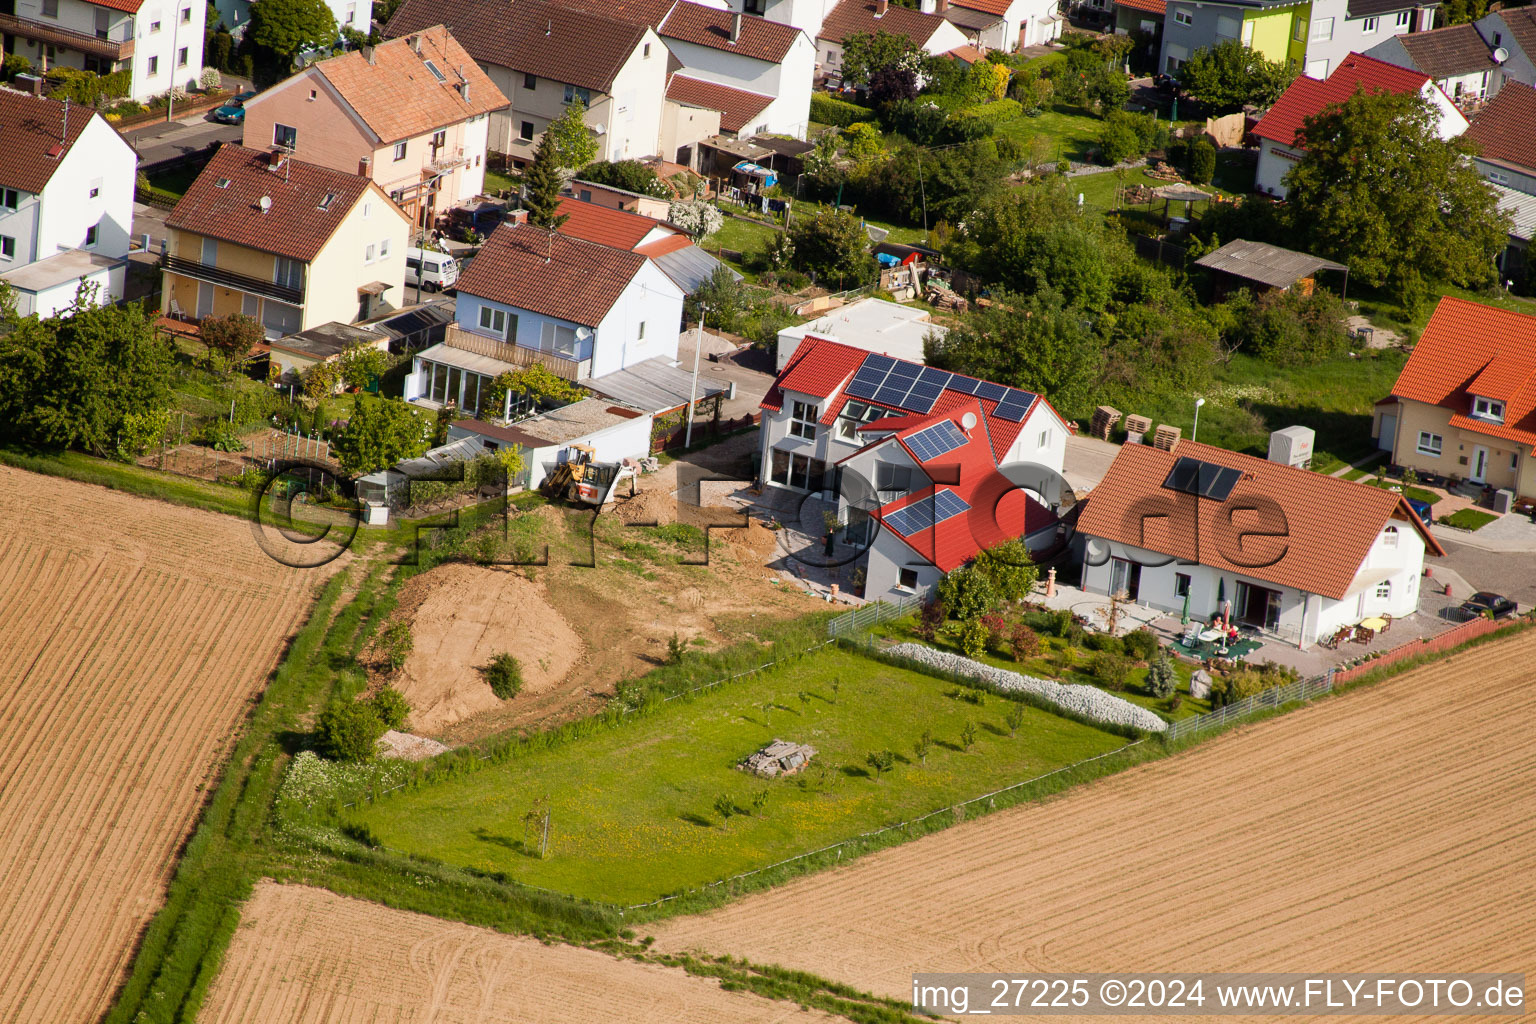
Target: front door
(1125, 577)
(1479, 464)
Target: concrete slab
(1087, 460)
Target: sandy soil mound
(649, 506)
(409, 747)
(464, 615)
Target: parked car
(1485, 602)
(233, 112)
(435, 270)
(1424, 510)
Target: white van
(436, 270)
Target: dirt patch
(1392, 821)
(461, 617)
(308, 956)
(134, 635)
(406, 747)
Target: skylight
(330, 197)
(221, 183)
(435, 73)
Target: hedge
(994, 113)
(831, 110)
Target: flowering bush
(210, 78)
(698, 219)
(1023, 642)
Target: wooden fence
(1436, 644)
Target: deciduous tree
(1229, 76)
(864, 52)
(381, 432)
(289, 27)
(1377, 189)
(832, 245)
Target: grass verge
(1468, 519)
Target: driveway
(1506, 572)
(751, 371)
(164, 141)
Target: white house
(749, 54)
(545, 56)
(930, 33)
(1457, 57)
(1307, 97)
(353, 14)
(924, 466)
(1019, 23)
(1295, 554)
(66, 202)
(160, 43)
(1507, 159)
(873, 325)
(805, 15)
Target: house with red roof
(1506, 157)
(1292, 555)
(930, 33)
(925, 467)
(667, 246)
(1465, 404)
(1307, 97)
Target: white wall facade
(627, 439)
(357, 14)
(789, 82)
(159, 36)
(1332, 34)
(805, 15)
(1304, 617)
(633, 126)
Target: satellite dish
(968, 421)
(265, 202)
(1500, 55)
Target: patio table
(1209, 635)
(1375, 624)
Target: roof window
(330, 197)
(222, 183)
(435, 73)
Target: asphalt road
(163, 141)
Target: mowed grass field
(633, 808)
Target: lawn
(495, 181)
(1249, 398)
(1068, 132)
(1416, 493)
(1383, 311)
(1468, 519)
(635, 808)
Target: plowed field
(133, 637)
(308, 956)
(1391, 829)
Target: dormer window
(221, 183)
(1488, 409)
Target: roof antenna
(549, 27)
(65, 137)
(549, 250)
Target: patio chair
(1387, 618)
(1363, 635)
(1191, 637)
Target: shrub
(1104, 643)
(1117, 142)
(1140, 644)
(997, 630)
(398, 644)
(992, 114)
(973, 638)
(1110, 669)
(223, 437)
(968, 592)
(1009, 567)
(1010, 149)
(675, 650)
(931, 619)
(505, 676)
(391, 707)
(827, 109)
(1161, 679)
(1177, 155)
(349, 730)
(210, 78)
(13, 65)
(1202, 161)
(1023, 642)
(1061, 623)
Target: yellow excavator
(584, 480)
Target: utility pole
(170, 97)
(693, 392)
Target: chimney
(362, 167)
(735, 26)
(941, 7)
(881, 6)
(416, 45)
(368, 54)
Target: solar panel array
(931, 511)
(1205, 479)
(915, 388)
(940, 439)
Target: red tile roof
(662, 246)
(32, 138)
(967, 53)
(1470, 349)
(606, 226)
(738, 108)
(997, 7)
(1282, 525)
(397, 95)
(127, 6)
(1446, 52)
(707, 26)
(550, 273)
(1505, 129)
(548, 40)
(1149, 6)
(852, 16)
(294, 226)
(999, 509)
(1308, 97)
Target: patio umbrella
(1221, 594)
(1184, 619)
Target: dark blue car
(1423, 509)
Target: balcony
(445, 160)
(481, 345)
(200, 271)
(42, 31)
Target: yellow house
(287, 243)
(1465, 405)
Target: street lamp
(693, 392)
(1198, 403)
